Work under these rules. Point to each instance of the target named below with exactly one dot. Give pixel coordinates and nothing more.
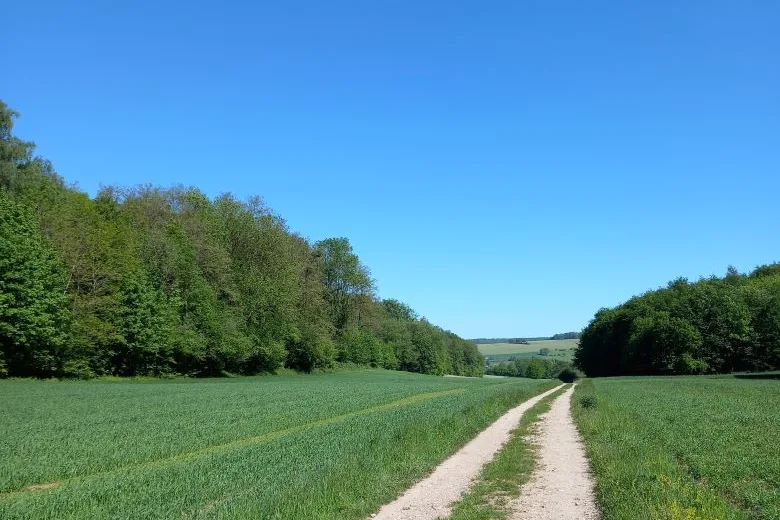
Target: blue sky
(506, 168)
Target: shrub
(535, 369)
(687, 364)
(77, 368)
(568, 375)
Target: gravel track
(432, 497)
(561, 487)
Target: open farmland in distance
(559, 349)
(695, 447)
(316, 446)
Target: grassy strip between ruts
(502, 477)
(682, 448)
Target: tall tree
(14, 152)
(33, 303)
(347, 281)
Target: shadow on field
(769, 375)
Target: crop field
(489, 349)
(683, 448)
(559, 349)
(316, 446)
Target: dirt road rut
(561, 486)
(431, 497)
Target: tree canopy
(714, 325)
(151, 281)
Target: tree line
(525, 341)
(566, 335)
(157, 281)
(715, 325)
(533, 368)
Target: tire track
(219, 448)
(561, 487)
(433, 496)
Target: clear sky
(506, 168)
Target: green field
(559, 349)
(317, 446)
(683, 448)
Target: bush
(687, 364)
(568, 375)
(77, 368)
(588, 401)
(535, 369)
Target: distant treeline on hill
(563, 335)
(566, 335)
(152, 281)
(534, 368)
(714, 325)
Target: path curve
(561, 487)
(432, 497)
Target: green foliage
(361, 347)
(430, 346)
(682, 447)
(535, 369)
(398, 310)
(150, 281)
(347, 281)
(33, 304)
(713, 325)
(587, 402)
(303, 446)
(147, 326)
(14, 153)
(568, 375)
(532, 367)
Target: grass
(683, 447)
(319, 446)
(502, 477)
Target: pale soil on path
(431, 497)
(561, 487)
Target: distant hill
(522, 341)
(566, 335)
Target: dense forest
(714, 325)
(153, 281)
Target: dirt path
(431, 497)
(561, 487)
